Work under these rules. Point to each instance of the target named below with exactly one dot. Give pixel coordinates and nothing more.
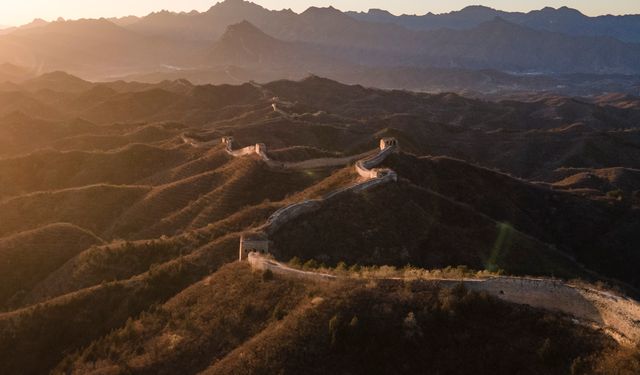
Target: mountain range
(121, 214)
(235, 41)
(562, 20)
(248, 191)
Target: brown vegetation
(151, 299)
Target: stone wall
(324, 162)
(372, 178)
(259, 262)
(617, 316)
(288, 213)
(254, 242)
(620, 315)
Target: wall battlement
(617, 316)
(253, 242)
(259, 241)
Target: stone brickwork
(616, 315)
(253, 242)
(372, 177)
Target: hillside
(447, 212)
(122, 212)
(28, 257)
(342, 322)
(53, 170)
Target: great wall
(258, 240)
(615, 315)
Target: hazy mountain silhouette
(90, 47)
(14, 73)
(236, 40)
(504, 45)
(564, 20)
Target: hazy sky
(15, 12)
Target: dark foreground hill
(236, 321)
(121, 215)
(447, 212)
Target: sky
(18, 12)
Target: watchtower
(388, 142)
(253, 242)
(261, 148)
(228, 141)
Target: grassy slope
(52, 170)
(60, 326)
(401, 224)
(240, 322)
(598, 234)
(122, 260)
(92, 207)
(461, 218)
(194, 329)
(29, 257)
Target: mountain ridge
(332, 43)
(149, 175)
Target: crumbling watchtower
(227, 141)
(253, 242)
(388, 142)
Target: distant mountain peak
(244, 42)
(244, 28)
(379, 12)
(57, 75)
(234, 5)
(564, 10)
(477, 10)
(57, 80)
(37, 22)
(322, 11)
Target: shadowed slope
(122, 260)
(448, 212)
(92, 207)
(73, 321)
(410, 328)
(52, 170)
(28, 257)
(21, 133)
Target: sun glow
(18, 13)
